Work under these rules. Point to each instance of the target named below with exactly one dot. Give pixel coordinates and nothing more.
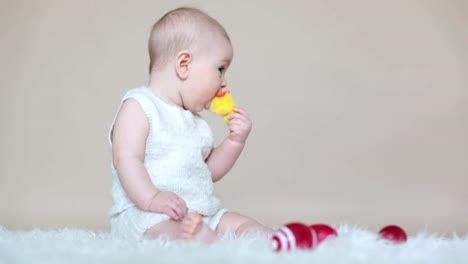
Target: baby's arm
(128, 150)
(223, 157)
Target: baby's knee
(248, 222)
(243, 223)
(250, 225)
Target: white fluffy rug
(354, 245)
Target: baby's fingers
(172, 214)
(242, 112)
(179, 209)
(238, 116)
(182, 207)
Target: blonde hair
(178, 30)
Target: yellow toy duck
(223, 105)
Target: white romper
(177, 146)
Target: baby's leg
(190, 228)
(241, 224)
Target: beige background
(360, 109)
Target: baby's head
(182, 29)
(196, 47)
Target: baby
(164, 163)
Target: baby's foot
(191, 225)
(194, 228)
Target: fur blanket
(354, 245)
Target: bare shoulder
(131, 123)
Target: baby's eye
(221, 69)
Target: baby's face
(207, 77)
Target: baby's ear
(184, 58)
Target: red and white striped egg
(294, 236)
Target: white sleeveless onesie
(177, 146)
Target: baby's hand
(239, 126)
(170, 204)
